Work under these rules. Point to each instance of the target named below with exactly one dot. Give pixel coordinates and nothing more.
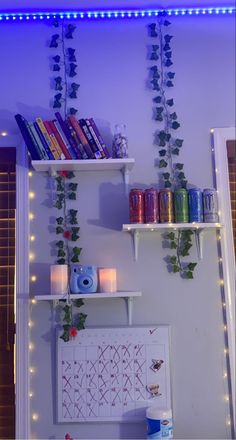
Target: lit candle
(107, 280)
(59, 279)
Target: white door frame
(22, 295)
(220, 136)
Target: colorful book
(43, 153)
(98, 134)
(27, 136)
(79, 145)
(47, 138)
(54, 140)
(90, 140)
(60, 140)
(95, 138)
(43, 140)
(80, 134)
(66, 131)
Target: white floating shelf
(51, 166)
(198, 228)
(128, 296)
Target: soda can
(166, 206)
(195, 205)
(151, 206)
(136, 205)
(210, 206)
(181, 205)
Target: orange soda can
(166, 206)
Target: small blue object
(195, 202)
(83, 279)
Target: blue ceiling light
(113, 14)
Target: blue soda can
(210, 206)
(195, 205)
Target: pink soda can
(136, 205)
(151, 206)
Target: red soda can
(166, 206)
(151, 206)
(136, 206)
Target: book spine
(59, 153)
(47, 137)
(79, 146)
(80, 134)
(43, 153)
(26, 134)
(59, 140)
(66, 132)
(63, 137)
(91, 142)
(43, 140)
(95, 138)
(94, 126)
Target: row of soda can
(179, 206)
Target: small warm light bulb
(225, 328)
(31, 394)
(32, 370)
(219, 237)
(31, 195)
(225, 375)
(32, 237)
(226, 350)
(228, 422)
(35, 417)
(221, 282)
(31, 216)
(33, 301)
(31, 256)
(220, 260)
(33, 279)
(212, 130)
(31, 346)
(224, 304)
(226, 398)
(4, 133)
(30, 323)
(30, 174)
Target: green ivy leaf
(166, 175)
(61, 261)
(169, 83)
(59, 230)
(170, 102)
(179, 166)
(171, 75)
(173, 245)
(163, 163)
(59, 220)
(181, 175)
(157, 99)
(173, 259)
(72, 196)
(76, 250)
(61, 253)
(167, 184)
(60, 244)
(191, 266)
(189, 274)
(166, 23)
(72, 187)
(75, 258)
(168, 38)
(175, 151)
(175, 125)
(170, 235)
(176, 268)
(173, 116)
(162, 153)
(179, 142)
(78, 302)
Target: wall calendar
(113, 374)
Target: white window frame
(220, 137)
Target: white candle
(59, 279)
(107, 280)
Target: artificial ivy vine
(67, 227)
(172, 173)
(65, 64)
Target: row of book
(60, 139)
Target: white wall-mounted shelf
(51, 166)
(198, 228)
(128, 296)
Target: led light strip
(44, 15)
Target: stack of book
(60, 139)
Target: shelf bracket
(136, 238)
(129, 302)
(125, 172)
(199, 242)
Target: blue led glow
(111, 14)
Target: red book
(73, 121)
(60, 140)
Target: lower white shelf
(128, 296)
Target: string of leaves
(64, 65)
(67, 223)
(72, 321)
(67, 226)
(171, 171)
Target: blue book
(27, 136)
(44, 142)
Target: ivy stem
(64, 66)
(166, 113)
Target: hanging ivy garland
(172, 173)
(65, 64)
(67, 252)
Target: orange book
(48, 138)
(56, 145)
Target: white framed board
(113, 374)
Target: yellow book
(48, 139)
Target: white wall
(113, 69)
